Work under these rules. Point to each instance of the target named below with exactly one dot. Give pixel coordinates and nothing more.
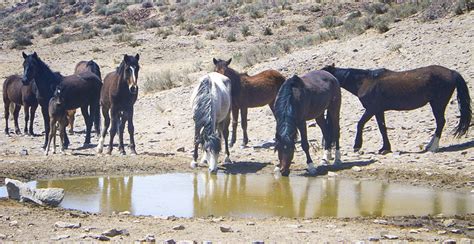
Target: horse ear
(35, 55)
(125, 58)
(137, 56)
(214, 60)
(24, 55)
(228, 61)
(333, 65)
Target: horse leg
(32, 118)
(114, 114)
(235, 121)
(438, 112)
(95, 113)
(44, 111)
(26, 110)
(50, 135)
(71, 117)
(327, 140)
(6, 105)
(335, 129)
(225, 133)
(16, 114)
(88, 121)
(62, 133)
(196, 147)
(305, 146)
(131, 133)
(243, 119)
(122, 121)
(105, 127)
(360, 126)
(386, 148)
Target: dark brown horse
(381, 90)
(16, 94)
(81, 90)
(84, 66)
(117, 99)
(300, 99)
(57, 120)
(249, 92)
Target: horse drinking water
(16, 94)
(211, 102)
(117, 98)
(249, 92)
(82, 90)
(300, 99)
(381, 90)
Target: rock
(20, 191)
(449, 241)
(187, 242)
(306, 231)
(206, 242)
(150, 238)
(356, 169)
(219, 219)
(442, 232)
(115, 232)
(124, 213)
(448, 222)
(456, 231)
(225, 229)
(351, 15)
(23, 152)
(180, 149)
(3, 237)
(13, 223)
(251, 223)
(178, 227)
(89, 228)
(390, 237)
(61, 237)
(294, 226)
(61, 224)
(423, 229)
(413, 231)
(169, 241)
(99, 237)
(258, 242)
(332, 174)
(374, 238)
(380, 221)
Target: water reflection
(201, 194)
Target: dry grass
(166, 80)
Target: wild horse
(16, 94)
(382, 89)
(211, 101)
(84, 66)
(117, 98)
(81, 90)
(249, 92)
(300, 99)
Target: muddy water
(201, 194)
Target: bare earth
(163, 124)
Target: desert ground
(164, 127)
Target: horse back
(80, 89)
(260, 89)
(80, 67)
(12, 89)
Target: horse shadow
(243, 167)
(458, 147)
(324, 169)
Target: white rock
(61, 224)
(3, 237)
(391, 237)
(225, 229)
(178, 227)
(61, 237)
(20, 191)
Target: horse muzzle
(133, 89)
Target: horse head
(30, 67)
(221, 65)
(130, 72)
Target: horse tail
(464, 103)
(285, 113)
(205, 116)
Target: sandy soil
(163, 124)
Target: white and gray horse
(211, 103)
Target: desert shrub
(62, 39)
(151, 23)
(354, 26)
(210, 27)
(147, 4)
(255, 12)
(21, 39)
(71, 2)
(212, 36)
(191, 30)
(165, 80)
(111, 9)
(50, 9)
(114, 20)
(124, 37)
(314, 8)
(302, 28)
(245, 30)
(267, 31)
(330, 22)
(24, 17)
(57, 29)
(86, 9)
(376, 8)
(180, 19)
(231, 37)
(381, 25)
(103, 25)
(164, 32)
(459, 7)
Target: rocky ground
(164, 125)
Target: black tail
(285, 113)
(464, 103)
(204, 117)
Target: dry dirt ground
(163, 124)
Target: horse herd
(293, 101)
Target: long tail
(285, 113)
(464, 103)
(205, 117)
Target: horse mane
(48, 74)
(285, 113)
(121, 69)
(94, 68)
(205, 116)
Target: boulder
(22, 192)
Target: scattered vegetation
(152, 23)
(21, 39)
(245, 30)
(124, 37)
(330, 22)
(267, 31)
(302, 28)
(231, 37)
(166, 79)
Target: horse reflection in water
(228, 195)
(116, 194)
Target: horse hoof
(337, 162)
(227, 160)
(213, 171)
(323, 162)
(276, 169)
(356, 149)
(193, 164)
(384, 151)
(312, 171)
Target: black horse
(382, 89)
(82, 90)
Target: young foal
(249, 92)
(81, 90)
(81, 67)
(117, 99)
(211, 102)
(381, 90)
(57, 116)
(15, 93)
(301, 99)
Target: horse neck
(46, 80)
(351, 79)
